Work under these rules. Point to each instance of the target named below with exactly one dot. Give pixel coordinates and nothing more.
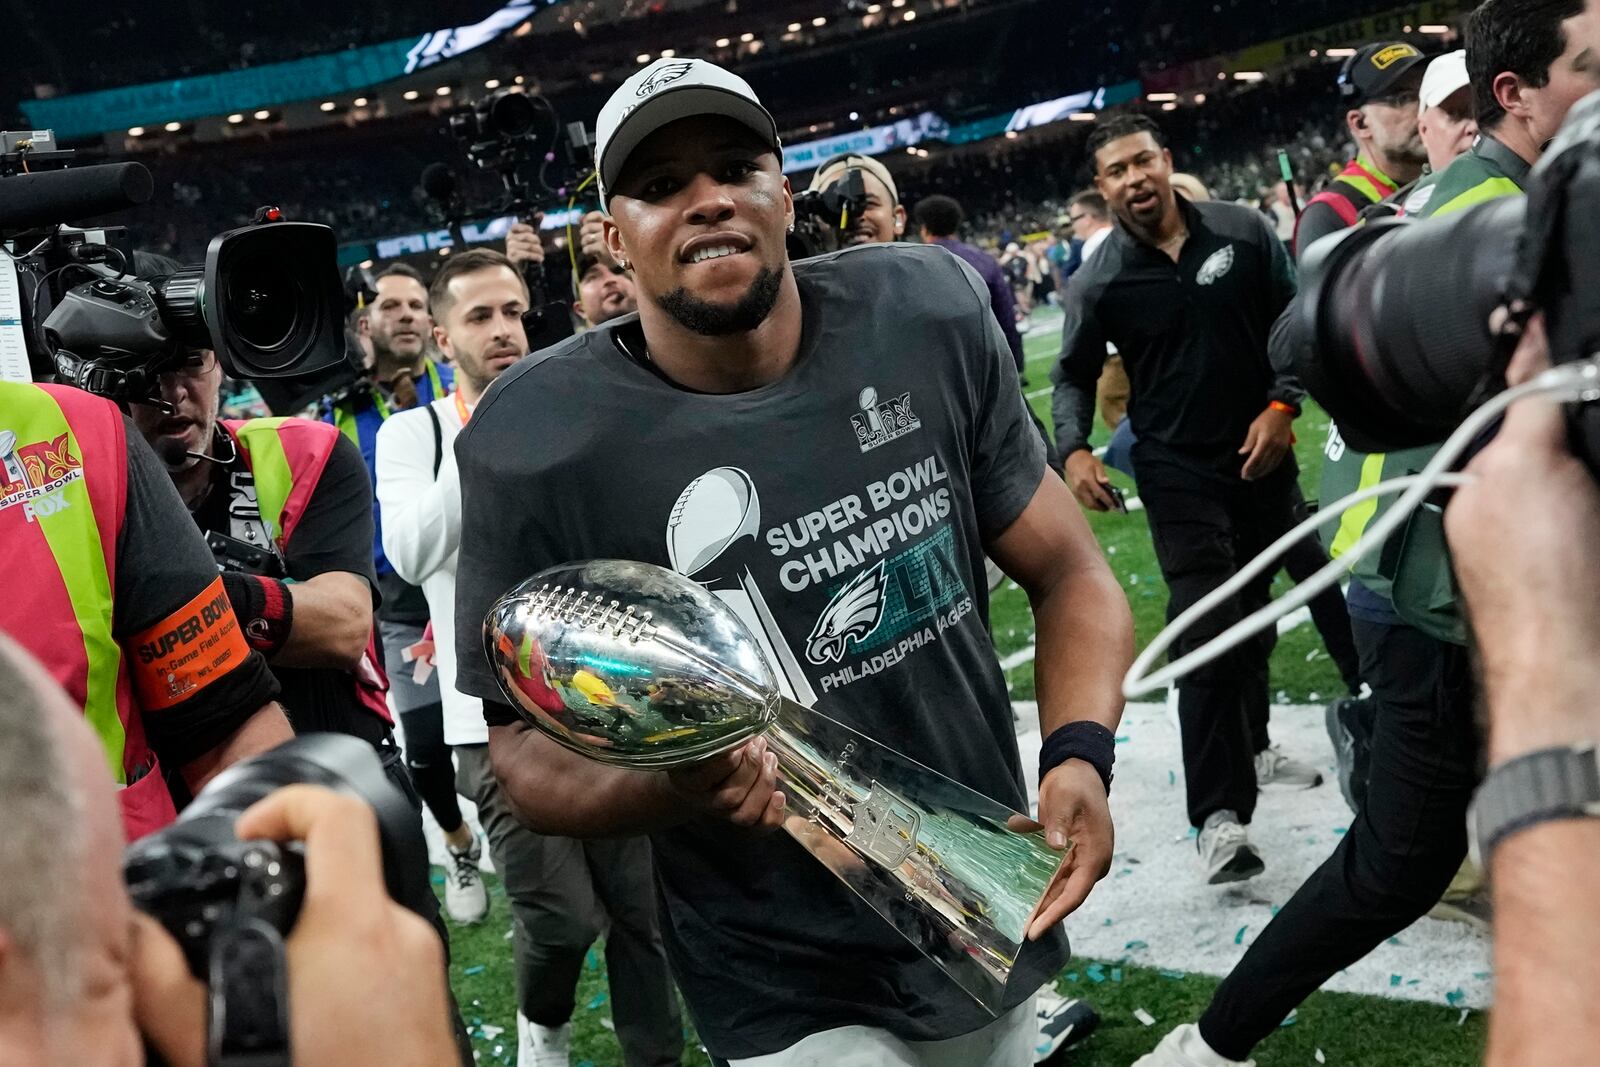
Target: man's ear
(899, 220)
(442, 340)
(788, 204)
(1508, 93)
(1355, 121)
(613, 241)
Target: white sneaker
(1274, 768)
(1063, 1022)
(542, 1046)
(1225, 850)
(1184, 1047)
(466, 900)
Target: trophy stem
(940, 862)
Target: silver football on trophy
(668, 678)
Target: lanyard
(461, 407)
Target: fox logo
(852, 615)
(662, 75)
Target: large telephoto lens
(268, 299)
(1392, 322)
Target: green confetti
(1394, 981)
(1176, 976)
(476, 969)
(1135, 946)
(1454, 997)
(1238, 938)
(599, 999)
(1116, 974)
(1290, 1019)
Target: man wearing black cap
(1379, 86)
(917, 458)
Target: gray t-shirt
(892, 449)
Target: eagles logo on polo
(1216, 265)
(662, 75)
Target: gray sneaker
(1225, 850)
(1274, 768)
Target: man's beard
(717, 320)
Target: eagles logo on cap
(662, 75)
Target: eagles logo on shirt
(1216, 265)
(663, 75)
(853, 614)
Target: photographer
(562, 891)
(112, 588)
(85, 979)
(735, 355)
(1378, 86)
(1536, 626)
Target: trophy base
(959, 875)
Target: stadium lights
(411, 94)
(361, 101)
(1169, 106)
(668, 53)
(492, 83)
(794, 27)
(135, 131)
(855, 116)
(263, 115)
(235, 118)
(173, 127)
(1248, 76)
(518, 79)
(1199, 98)
(1405, 29)
(747, 37)
(1082, 116)
(444, 251)
(443, 90)
(723, 42)
(366, 264)
(1436, 30)
(897, 3)
(327, 105)
(642, 58)
(577, 26)
(820, 20)
(909, 16)
(1340, 53)
(1011, 135)
(1312, 53)
(873, 9)
(1161, 98)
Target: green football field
(1330, 1028)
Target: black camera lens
(509, 114)
(265, 301)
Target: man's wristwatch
(1552, 783)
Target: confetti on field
(591, 960)
(1320, 1057)
(1135, 946)
(491, 1032)
(1176, 976)
(1238, 938)
(476, 968)
(596, 1001)
(605, 1021)
(437, 877)
(1454, 997)
(1144, 1016)
(1172, 777)
(1122, 739)
(1463, 1019)
(1116, 974)
(1394, 981)
(1072, 976)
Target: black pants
(1402, 850)
(1204, 527)
(1328, 611)
(564, 894)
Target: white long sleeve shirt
(421, 536)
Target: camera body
(266, 299)
(824, 217)
(198, 879)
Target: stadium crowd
(239, 591)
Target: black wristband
(264, 607)
(1086, 740)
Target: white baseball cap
(1444, 76)
(666, 91)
